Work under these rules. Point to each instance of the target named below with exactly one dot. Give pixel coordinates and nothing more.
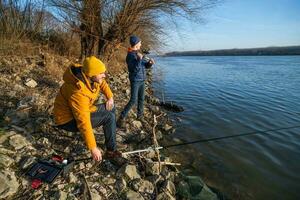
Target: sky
(239, 24)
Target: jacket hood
(73, 75)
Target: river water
(232, 95)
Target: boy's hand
(109, 104)
(152, 61)
(140, 55)
(96, 154)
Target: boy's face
(138, 45)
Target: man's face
(138, 45)
(98, 78)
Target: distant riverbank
(266, 51)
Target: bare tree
(104, 25)
(20, 18)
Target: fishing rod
(211, 139)
(199, 141)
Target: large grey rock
(5, 160)
(129, 172)
(192, 187)
(132, 195)
(141, 185)
(18, 141)
(206, 194)
(9, 184)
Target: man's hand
(140, 55)
(109, 104)
(96, 154)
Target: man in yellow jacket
(74, 110)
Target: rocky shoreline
(27, 133)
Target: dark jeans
(101, 117)
(137, 95)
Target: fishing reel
(146, 59)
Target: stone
(89, 165)
(120, 185)
(141, 185)
(137, 124)
(25, 183)
(167, 127)
(5, 135)
(129, 172)
(72, 178)
(132, 195)
(18, 141)
(43, 141)
(123, 76)
(6, 151)
(19, 129)
(30, 83)
(5, 160)
(61, 195)
(108, 180)
(206, 193)
(81, 166)
(154, 178)
(150, 154)
(183, 189)
(103, 190)
(9, 184)
(152, 168)
(26, 162)
(60, 186)
(18, 88)
(165, 196)
(168, 186)
(95, 196)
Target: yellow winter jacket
(75, 101)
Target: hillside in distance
(265, 51)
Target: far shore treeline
(267, 51)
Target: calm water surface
(232, 95)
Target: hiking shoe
(115, 157)
(112, 154)
(121, 122)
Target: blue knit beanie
(134, 40)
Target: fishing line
(230, 136)
(208, 140)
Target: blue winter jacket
(136, 66)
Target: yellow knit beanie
(92, 66)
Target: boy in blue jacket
(137, 76)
